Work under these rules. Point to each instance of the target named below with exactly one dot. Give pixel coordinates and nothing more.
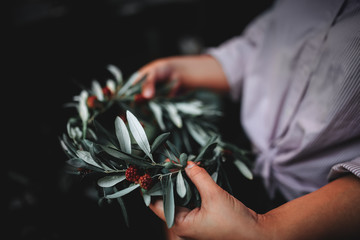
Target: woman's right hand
(160, 70)
(187, 71)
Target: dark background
(56, 45)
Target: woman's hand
(185, 71)
(331, 212)
(221, 216)
(160, 70)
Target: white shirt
(296, 71)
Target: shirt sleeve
(338, 170)
(235, 54)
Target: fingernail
(190, 164)
(147, 93)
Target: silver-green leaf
(192, 108)
(97, 90)
(128, 84)
(156, 109)
(214, 176)
(180, 185)
(109, 181)
(123, 211)
(169, 202)
(123, 192)
(183, 159)
(86, 157)
(116, 73)
(174, 115)
(122, 135)
(198, 134)
(147, 198)
(156, 190)
(139, 134)
(243, 169)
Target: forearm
(199, 71)
(332, 212)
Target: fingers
(154, 72)
(160, 70)
(206, 186)
(148, 87)
(158, 208)
(175, 88)
(203, 182)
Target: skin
(331, 212)
(186, 72)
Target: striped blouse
(296, 70)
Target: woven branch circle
(125, 142)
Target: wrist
(264, 228)
(258, 227)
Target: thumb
(203, 182)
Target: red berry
(132, 174)
(106, 91)
(138, 98)
(145, 181)
(93, 102)
(83, 171)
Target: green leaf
(169, 202)
(106, 137)
(146, 198)
(109, 181)
(159, 140)
(97, 90)
(183, 159)
(156, 190)
(68, 146)
(243, 169)
(132, 159)
(214, 176)
(77, 162)
(184, 201)
(241, 153)
(192, 108)
(123, 211)
(86, 157)
(185, 137)
(128, 83)
(135, 88)
(156, 109)
(139, 134)
(168, 154)
(170, 165)
(210, 146)
(180, 185)
(122, 135)
(115, 71)
(174, 115)
(197, 133)
(123, 192)
(93, 149)
(173, 149)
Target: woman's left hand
(221, 216)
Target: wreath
(127, 142)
